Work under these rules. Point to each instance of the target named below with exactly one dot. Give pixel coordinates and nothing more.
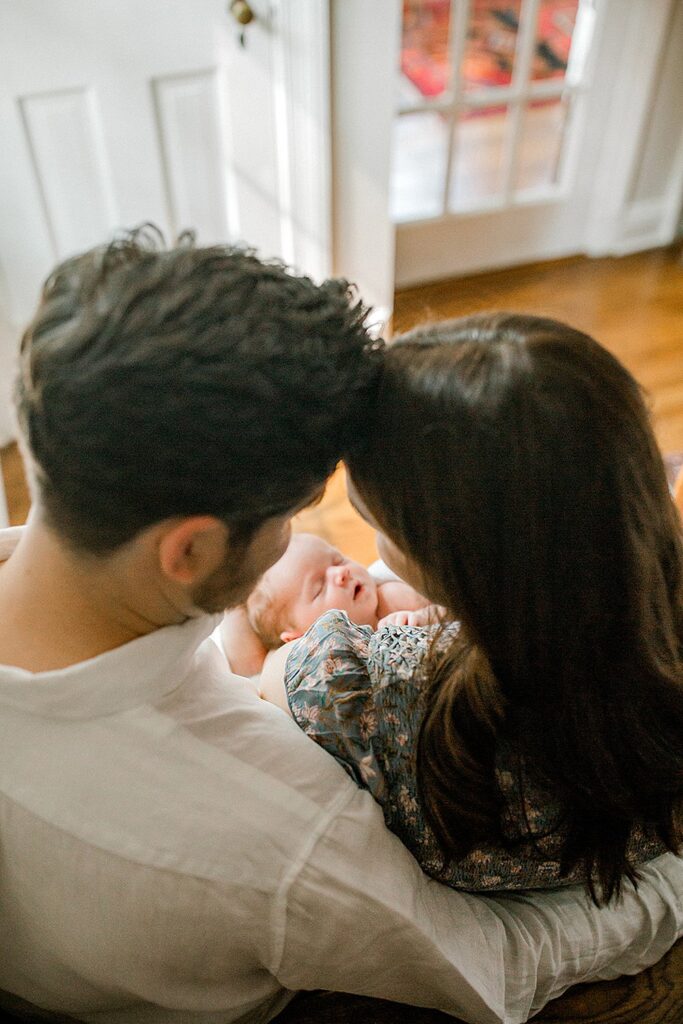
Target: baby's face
(312, 577)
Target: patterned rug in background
(491, 38)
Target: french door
(491, 132)
(491, 99)
(497, 131)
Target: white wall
(661, 142)
(639, 183)
(6, 377)
(657, 186)
(9, 339)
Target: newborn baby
(311, 578)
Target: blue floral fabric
(357, 693)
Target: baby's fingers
(395, 619)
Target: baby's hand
(428, 616)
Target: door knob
(242, 12)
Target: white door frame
(365, 48)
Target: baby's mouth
(356, 590)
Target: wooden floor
(633, 305)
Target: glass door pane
(554, 32)
(542, 135)
(484, 92)
(477, 176)
(489, 56)
(425, 58)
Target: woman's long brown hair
(511, 457)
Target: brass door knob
(242, 12)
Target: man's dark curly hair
(167, 382)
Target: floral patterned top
(357, 693)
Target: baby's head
(312, 577)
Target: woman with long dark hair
(513, 477)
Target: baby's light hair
(266, 616)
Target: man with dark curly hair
(173, 848)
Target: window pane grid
(517, 114)
(526, 39)
(497, 95)
(458, 42)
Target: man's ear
(192, 549)
(287, 635)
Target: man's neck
(58, 608)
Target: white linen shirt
(174, 849)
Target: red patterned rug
(490, 48)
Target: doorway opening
(487, 105)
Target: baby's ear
(287, 635)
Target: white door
(473, 134)
(116, 112)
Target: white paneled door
(115, 112)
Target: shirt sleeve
(330, 695)
(359, 916)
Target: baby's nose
(340, 575)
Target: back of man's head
(158, 383)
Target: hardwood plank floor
(633, 305)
